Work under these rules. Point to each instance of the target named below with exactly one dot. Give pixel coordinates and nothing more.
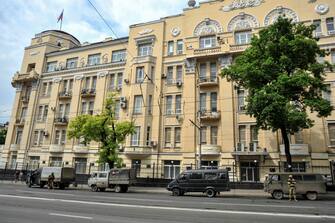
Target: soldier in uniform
(51, 179)
(291, 188)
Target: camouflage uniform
(291, 188)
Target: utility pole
(200, 136)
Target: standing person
(291, 188)
(51, 179)
(17, 175)
(21, 175)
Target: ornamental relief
(273, 16)
(242, 21)
(207, 27)
(241, 4)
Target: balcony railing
(80, 148)
(56, 148)
(207, 51)
(238, 48)
(65, 94)
(88, 92)
(61, 121)
(208, 81)
(251, 149)
(210, 115)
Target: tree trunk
(287, 149)
(111, 164)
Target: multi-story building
(166, 73)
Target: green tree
(3, 134)
(283, 78)
(105, 129)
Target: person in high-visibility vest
(291, 188)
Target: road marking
(39, 192)
(176, 208)
(70, 216)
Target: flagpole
(60, 27)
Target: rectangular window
(145, 49)
(117, 109)
(318, 28)
(36, 134)
(203, 135)
(253, 133)
(63, 137)
(203, 71)
(57, 137)
(330, 25)
(203, 102)
(296, 167)
(179, 75)
(150, 105)
(87, 82)
(91, 107)
(331, 132)
(139, 74)
(45, 112)
(80, 165)
(56, 161)
(71, 63)
(214, 98)
(51, 66)
(168, 105)
(169, 76)
(298, 136)
(178, 104)
(243, 37)
(137, 104)
(93, 59)
(112, 82)
(148, 136)
(41, 137)
(119, 80)
(241, 98)
(167, 137)
(213, 72)
(241, 134)
(332, 54)
(83, 107)
(94, 82)
(327, 94)
(34, 162)
(170, 48)
(207, 41)
(135, 138)
(119, 55)
(180, 46)
(49, 88)
(177, 136)
(44, 89)
(40, 113)
(214, 135)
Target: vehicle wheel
(278, 195)
(312, 196)
(102, 189)
(94, 188)
(61, 186)
(176, 192)
(124, 189)
(118, 189)
(210, 193)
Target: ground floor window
(56, 161)
(80, 165)
(171, 169)
(249, 171)
(13, 163)
(213, 164)
(34, 162)
(136, 164)
(296, 167)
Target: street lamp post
(200, 136)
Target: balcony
(144, 59)
(296, 150)
(210, 150)
(56, 148)
(238, 48)
(24, 77)
(20, 122)
(208, 81)
(208, 51)
(209, 115)
(14, 147)
(88, 92)
(253, 149)
(65, 95)
(80, 148)
(138, 150)
(61, 121)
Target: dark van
(210, 182)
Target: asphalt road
(21, 204)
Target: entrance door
(171, 169)
(249, 171)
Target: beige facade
(166, 74)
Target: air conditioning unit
(153, 143)
(123, 99)
(242, 107)
(179, 83)
(123, 104)
(45, 133)
(126, 80)
(253, 146)
(240, 147)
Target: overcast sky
(20, 20)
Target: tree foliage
(3, 134)
(283, 77)
(105, 129)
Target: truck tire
(124, 188)
(278, 194)
(118, 189)
(312, 196)
(94, 188)
(176, 192)
(210, 193)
